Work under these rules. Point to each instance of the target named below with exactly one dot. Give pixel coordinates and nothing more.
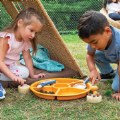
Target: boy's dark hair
(91, 23)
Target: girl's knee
(23, 71)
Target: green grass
(78, 49)
(30, 107)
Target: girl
(17, 38)
(113, 8)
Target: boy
(103, 47)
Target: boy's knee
(115, 87)
(115, 84)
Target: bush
(65, 13)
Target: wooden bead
(23, 89)
(94, 98)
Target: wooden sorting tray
(61, 90)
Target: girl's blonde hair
(26, 16)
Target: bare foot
(116, 96)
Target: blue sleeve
(90, 49)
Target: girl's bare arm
(28, 62)
(3, 68)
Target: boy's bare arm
(90, 61)
(94, 74)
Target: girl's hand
(21, 81)
(41, 75)
(94, 75)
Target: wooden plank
(10, 8)
(11, 0)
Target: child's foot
(109, 76)
(2, 89)
(2, 92)
(1, 95)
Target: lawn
(30, 107)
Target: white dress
(113, 7)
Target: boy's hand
(94, 75)
(21, 81)
(41, 75)
(116, 96)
